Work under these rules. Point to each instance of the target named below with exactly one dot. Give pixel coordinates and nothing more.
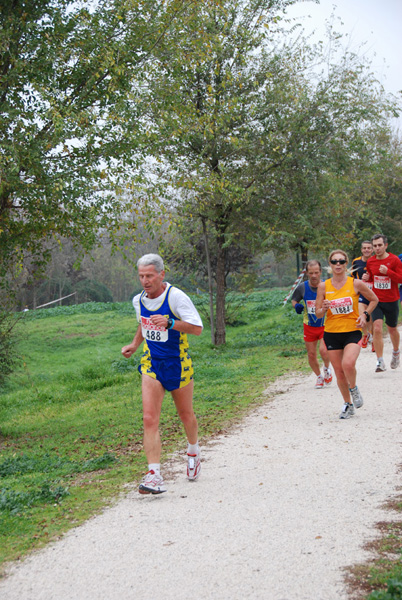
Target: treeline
(103, 276)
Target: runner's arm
(361, 288)
(179, 325)
(128, 350)
(298, 296)
(368, 275)
(395, 276)
(321, 304)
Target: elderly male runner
(165, 315)
(313, 327)
(384, 270)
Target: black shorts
(389, 310)
(338, 341)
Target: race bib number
(341, 306)
(369, 284)
(382, 282)
(151, 332)
(311, 307)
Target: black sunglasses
(341, 261)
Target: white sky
(376, 23)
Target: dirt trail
(284, 504)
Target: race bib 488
(153, 333)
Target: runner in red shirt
(385, 271)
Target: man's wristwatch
(170, 323)
(367, 315)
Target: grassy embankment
(71, 418)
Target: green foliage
(393, 591)
(125, 308)
(93, 291)
(46, 463)
(17, 502)
(67, 101)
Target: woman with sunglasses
(339, 298)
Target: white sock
(156, 467)
(396, 352)
(193, 448)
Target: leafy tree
(380, 192)
(209, 124)
(337, 164)
(68, 112)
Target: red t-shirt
(386, 286)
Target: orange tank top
(343, 311)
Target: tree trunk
(304, 256)
(210, 287)
(220, 336)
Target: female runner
(339, 297)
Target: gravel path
(284, 504)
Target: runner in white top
(166, 315)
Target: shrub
(90, 290)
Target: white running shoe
(356, 397)
(327, 375)
(320, 382)
(380, 366)
(193, 466)
(348, 410)
(152, 483)
(395, 360)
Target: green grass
(380, 578)
(71, 416)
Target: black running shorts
(338, 341)
(389, 310)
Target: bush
(90, 290)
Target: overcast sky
(376, 23)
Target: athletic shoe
(356, 397)
(348, 410)
(380, 366)
(396, 358)
(320, 382)
(327, 375)
(152, 483)
(364, 341)
(193, 466)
